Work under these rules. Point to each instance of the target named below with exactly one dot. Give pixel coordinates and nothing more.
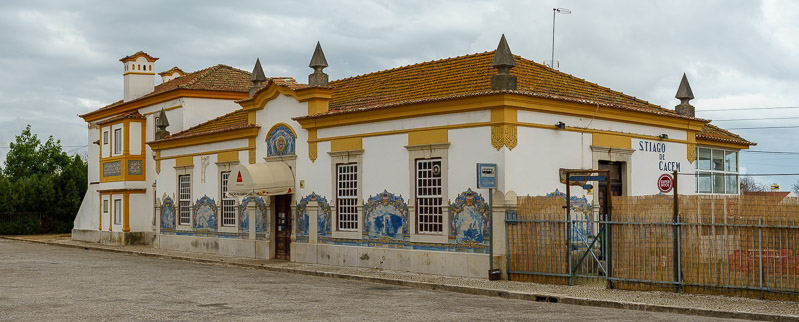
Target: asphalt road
(49, 283)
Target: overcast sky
(59, 59)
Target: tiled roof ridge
(730, 137)
(128, 115)
(206, 123)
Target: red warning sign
(238, 178)
(665, 183)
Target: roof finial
(161, 125)
(318, 62)
(684, 94)
(503, 62)
(257, 77)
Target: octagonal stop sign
(665, 183)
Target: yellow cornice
(722, 144)
(307, 93)
(499, 103)
(213, 137)
(131, 191)
(160, 98)
(138, 73)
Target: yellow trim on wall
(157, 162)
(228, 156)
(138, 73)
(347, 144)
(126, 212)
(317, 97)
(251, 148)
(501, 101)
(312, 148)
(721, 144)
(612, 140)
(186, 161)
(428, 137)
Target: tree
(41, 178)
(795, 187)
(748, 184)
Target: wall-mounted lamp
(561, 125)
(663, 136)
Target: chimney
(171, 74)
(160, 124)
(684, 94)
(139, 75)
(318, 62)
(257, 77)
(503, 62)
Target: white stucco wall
(199, 110)
(597, 124)
(134, 136)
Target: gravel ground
(787, 309)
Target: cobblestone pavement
(159, 286)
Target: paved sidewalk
(704, 305)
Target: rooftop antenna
(554, 11)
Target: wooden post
(676, 242)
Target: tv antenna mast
(556, 11)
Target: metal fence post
(676, 244)
(760, 253)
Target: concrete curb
(537, 297)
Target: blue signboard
(486, 176)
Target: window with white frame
(347, 196)
(429, 218)
(105, 206)
(117, 211)
(716, 171)
(228, 204)
(184, 199)
(117, 141)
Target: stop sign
(665, 183)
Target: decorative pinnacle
(684, 92)
(162, 121)
(503, 59)
(318, 61)
(257, 72)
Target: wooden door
(283, 227)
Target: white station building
(377, 170)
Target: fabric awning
(273, 178)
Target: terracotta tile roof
(231, 121)
(172, 70)
(129, 115)
(221, 78)
(711, 132)
(471, 75)
(280, 81)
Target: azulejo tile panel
(469, 219)
(322, 217)
(260, 216)
(167, 215)
(112, 169)
(205, 215)
(280, 141)
(386, 217)
(135, 167)
(582, 219)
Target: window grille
(105, 206)
(228, 204)
(429, 218)
(347, 196)
(105, 137)
(117, 141)
(117, 212)
(184, 182)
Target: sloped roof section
(221, 78)
(231, 121)
(471, 75)
(711, 132)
